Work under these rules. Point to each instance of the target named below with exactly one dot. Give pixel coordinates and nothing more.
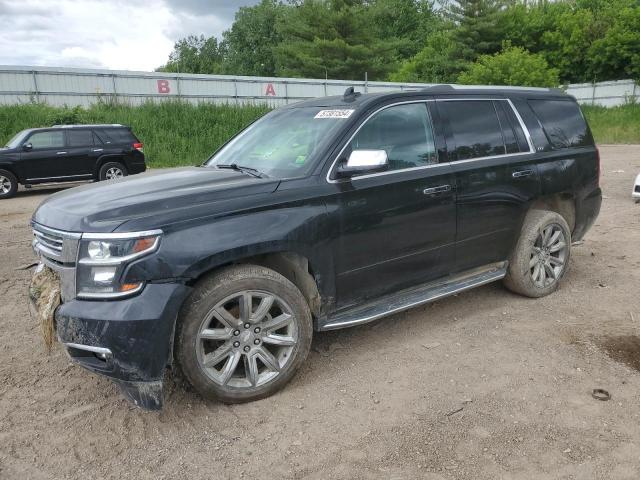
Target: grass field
(183, 134)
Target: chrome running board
(415, 296)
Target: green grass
(176, 133)
(614, 125)
(173, 133)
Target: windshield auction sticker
(334, 114)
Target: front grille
(58, 250)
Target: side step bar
(414, 297)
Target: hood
(169, 195)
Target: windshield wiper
(239, 168)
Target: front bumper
(127, 340)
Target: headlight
(102, 259)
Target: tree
(251, 40)
(195, 54)
(477, 27)
(437, 62)
(617, 54)
(512, 66)
(332, 38)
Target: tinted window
(509, 136)
(116, 135)
(47, 140)
(404, 132)
(562, 122)
(80, 138)
(475, 128)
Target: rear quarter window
(563, 123)
(116, 136)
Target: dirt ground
(483, 385)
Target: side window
(47, 140)
(509, 136)
(116, 135)
(80, 138)
(563, 123)
(404, 132)
(475, 128)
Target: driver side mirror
(363, 161)
(27, 147)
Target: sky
(113, 34)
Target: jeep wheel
(242, 334)
(8, 184)
(541, 256)
(112, 171)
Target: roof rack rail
(88, 125)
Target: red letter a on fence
(270, 90)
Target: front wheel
(242, 334)
(541, 256)
(8, 184)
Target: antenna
(350, 94)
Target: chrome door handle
(61, 153)
(522, 173)
(97, 149)
(434, 190)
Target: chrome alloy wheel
(113, 173)
(246, 339)
(5, 185)
(548, 256)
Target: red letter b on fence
(163, 86)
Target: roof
(101, 125)
(360, 100)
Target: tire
(8, 184)
(541, 257)
(112, 171)
(233, 363)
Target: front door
(395, 229)
(46, 159)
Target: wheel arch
(10, 168)
(112, 157)
(564, 204)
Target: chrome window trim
(371, 175)
(121, 235)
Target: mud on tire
(541, 257)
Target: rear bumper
(587, 211)
(137, 167)
(127, 340)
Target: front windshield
(16, 140)
(283, 143)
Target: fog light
(104, 275)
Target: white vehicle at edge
(636, 189)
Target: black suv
(65, 153)
(321, 215)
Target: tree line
(512, 42)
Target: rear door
(396, 228)
(495, 175)
(80, 151)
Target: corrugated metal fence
(71, 86)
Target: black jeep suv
(69, 153)
(321, 215)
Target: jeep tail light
(138, 146)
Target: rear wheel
(242, 334)
(541, 256)
(112, 171)
(8, 184)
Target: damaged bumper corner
(126, 340)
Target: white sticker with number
(334, 113)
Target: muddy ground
(483, 385)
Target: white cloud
(116, 34)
